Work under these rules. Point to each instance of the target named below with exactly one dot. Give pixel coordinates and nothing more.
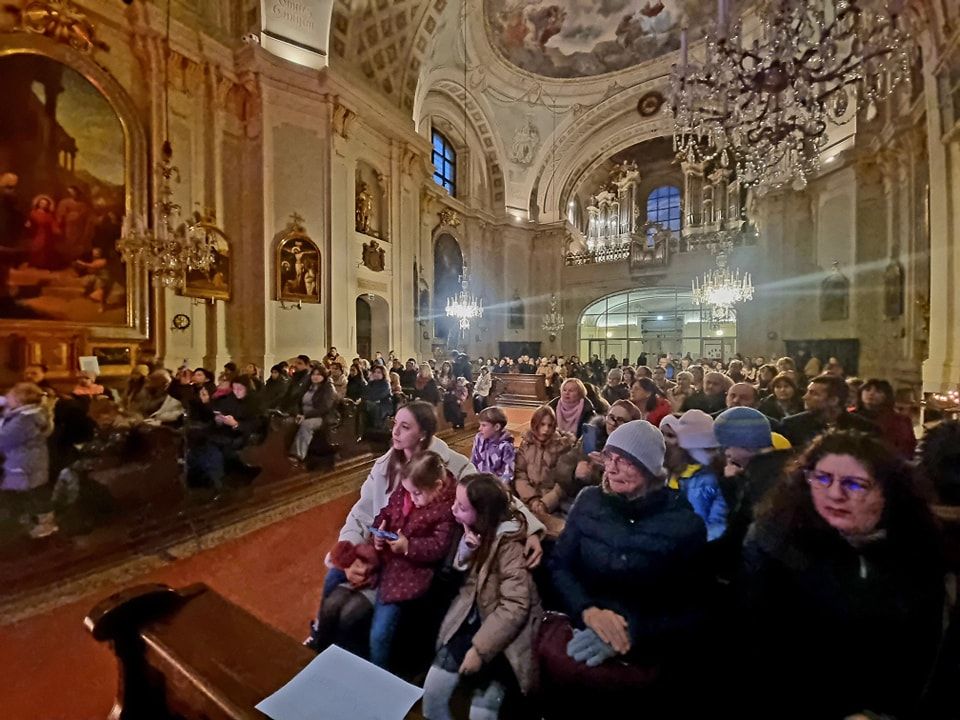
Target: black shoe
(249, 472)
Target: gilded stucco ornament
(62, 21)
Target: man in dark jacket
(408, 376)
(825, 403)
(186, 388)
(461, 365)
(299, 382)
(712, 399)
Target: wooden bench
(191, 654)
(518, 390)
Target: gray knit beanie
(641, 443)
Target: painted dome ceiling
(583, 38)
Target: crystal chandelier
(553, 320)
(763, 96)
(464, 305)
(174, 247)
(721, 288)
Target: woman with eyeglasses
(842, 586)
(589, 470)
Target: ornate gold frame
(209, 226)
(137, 326)
(296, 231)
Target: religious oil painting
(298, 269)
(214, 282)
(61, 196)
(583, 38)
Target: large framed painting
(214, 282)
(72, 165)
(298, 265)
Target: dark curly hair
(788, 511)
(940, 460)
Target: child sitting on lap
(419, 513)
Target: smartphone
(385, 534)
(590, 438)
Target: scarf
(568, 416)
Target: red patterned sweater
(429, 530)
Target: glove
(587, 647)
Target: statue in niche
(835, 296)
(364, 207)
(893, 290)
(374, 256)
(525, 141)
(515, 317)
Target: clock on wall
(181, 321)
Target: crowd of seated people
(212, 416)
(681, 554)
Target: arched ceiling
(387, 41)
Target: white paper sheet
(89, 363)
(338, 685)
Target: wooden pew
(191, 654)
(518, 390)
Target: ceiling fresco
(583, 38)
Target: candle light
(722, 18)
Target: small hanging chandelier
(172, 247)
(763, 97)
(553, 321)
(464, 305)
(721, 288)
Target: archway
(653, 321)
(447, 269)
(373, 326)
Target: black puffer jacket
(643, 559)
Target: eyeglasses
(612, 457)
(849, 484)
(617, 419)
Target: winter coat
(612, 394)
(543, 469)
(429, 392)
(505, 595)
(23, 444)
(896, 430)
(355, 386)
(642, 559)
(375, 491)
(803, 427)
(869, 616)
(322, 404)
(340, 386)
(496, 455)
(430, 531)
(659, 412)
(701, 487)
(585, 415)
(708, 403)
(273, 393)
(773, 409)
(296, 389)
(483, 385)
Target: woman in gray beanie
(629, 569)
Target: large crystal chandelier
(173, 247)
(464, 305)
(764, 94)
(721, 288)
(553, 321)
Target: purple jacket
(496, 455)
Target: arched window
(444, 163)
(663, 207)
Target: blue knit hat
(641, 443)
(742, 427)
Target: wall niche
(370, 201)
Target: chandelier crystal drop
(464, 305)
(553, 321)
(764, 95)
(173, 247)
(721, 288)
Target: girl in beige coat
(545, 464)
(489, 630)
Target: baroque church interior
(540, 353)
